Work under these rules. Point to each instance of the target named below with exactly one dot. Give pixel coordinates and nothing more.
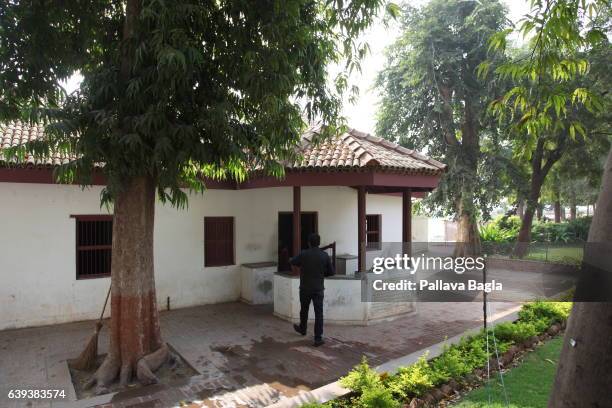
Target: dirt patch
(177, 371)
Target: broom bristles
(87, 359)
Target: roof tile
(352, 149)
(359, 149)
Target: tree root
(111, 368)
(104, 375)
(146, 366)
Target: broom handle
(105, 302)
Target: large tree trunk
(136, 346)
(539, 170)
(584, 375)
(520, 208)
(573, 211)
(563, 218)
(524, 235)
(540, 212)
(557, 209)
(468, 237)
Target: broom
(87, 359)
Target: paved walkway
(244, 355)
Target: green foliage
(511, 222)
(473, 350)
(501, 230)
(177, 90)
(491, 232)
(505, 229)
(557, 102)
(361, 377)
(542, 314)
(366, 382)
(570, 231)
(514, 332)
(545, 92)
(413, 380)
(433, 100)
(378, 397)
(528, 385)
(454, 362)
(450, 364)
(550, 232)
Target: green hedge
(504, 229)
(373, 390)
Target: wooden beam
(347, 178)
(297, 210)
(407, 221)
(377, 182)
(361, 228)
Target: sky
(362, 114)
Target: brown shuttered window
(94, 240)
(373, 231)
(218, 241)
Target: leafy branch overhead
(191, 89)
(549, 92)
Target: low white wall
(342, 303)
(257, 283)
(38, 282)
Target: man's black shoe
(297, 328)
(318, 342)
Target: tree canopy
(433, 100)
(556, 101)
(176, 90)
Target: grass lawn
(556, 254)
(527, 386)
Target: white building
(55, 239)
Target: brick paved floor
(244, 355)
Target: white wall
(37, 245)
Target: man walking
(315, 265)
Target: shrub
(491, 232)
(383, 391)
(542, 314)
(450, 364)
(570, 231)
(378, 397)
(552, 232)
(504, 229)
(514, 332)
(474, 351)
(509, 222)
(361, 377)
(580, 227)
(413, 380)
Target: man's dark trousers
(316, 296)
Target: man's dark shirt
(315, 265)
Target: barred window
(373, 231)
(94, 240)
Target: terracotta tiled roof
(355, 149)
(351, 150)
(16, 133)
